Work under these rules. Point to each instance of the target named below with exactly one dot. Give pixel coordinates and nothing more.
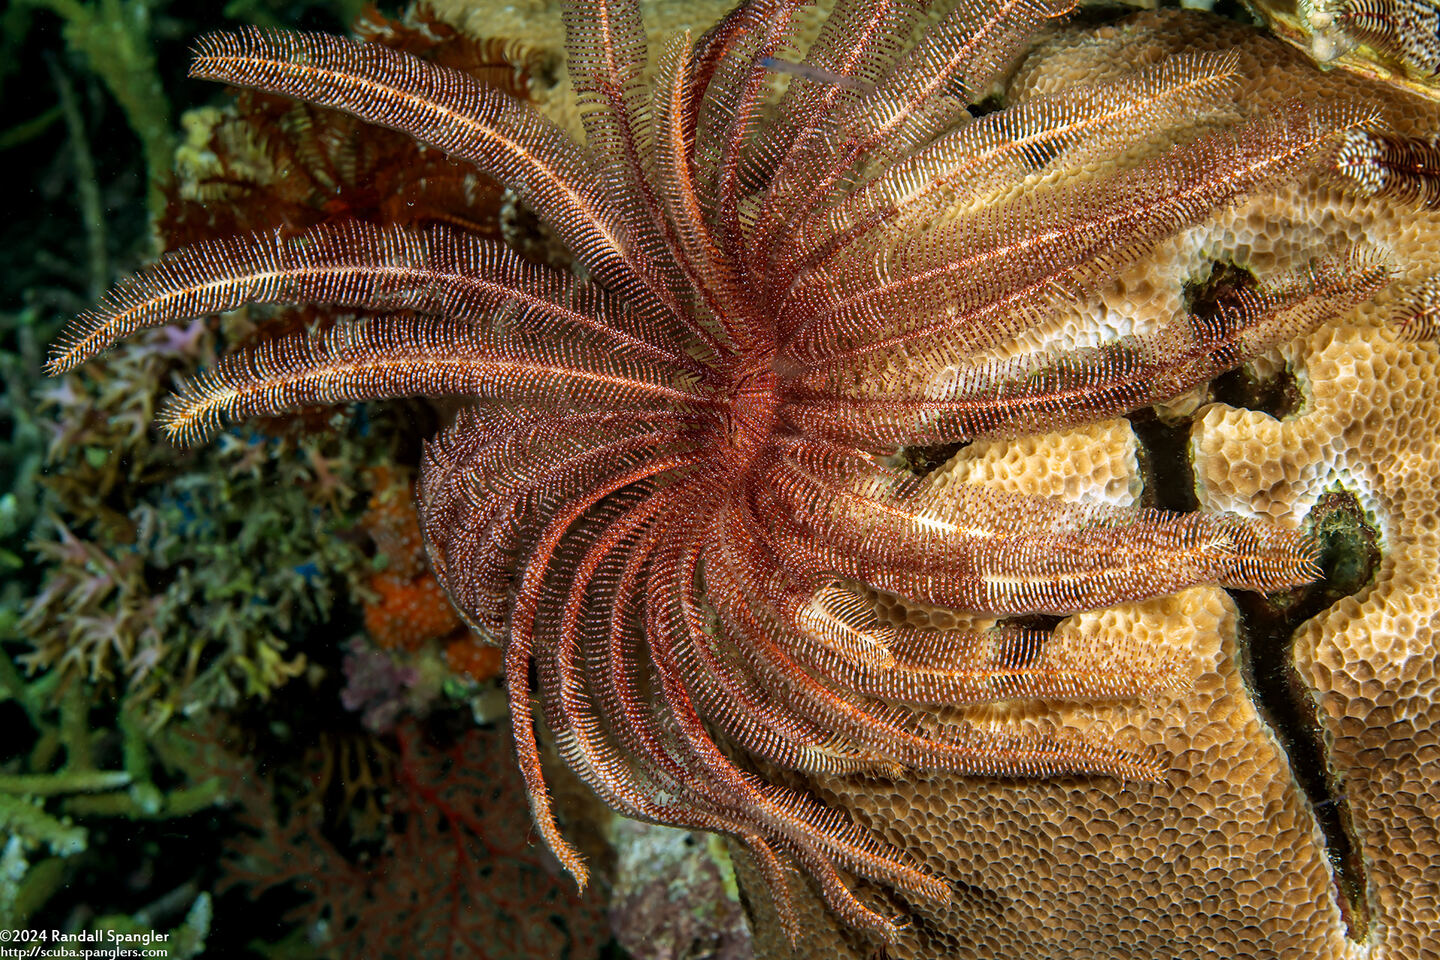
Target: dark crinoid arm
(669, 493)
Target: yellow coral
(1226, 857)
(1371, 662)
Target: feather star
(672, 492)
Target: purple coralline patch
(376, 685)
(674, 896)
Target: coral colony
(674, 487)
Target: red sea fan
(672, 492)
(451, 878)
